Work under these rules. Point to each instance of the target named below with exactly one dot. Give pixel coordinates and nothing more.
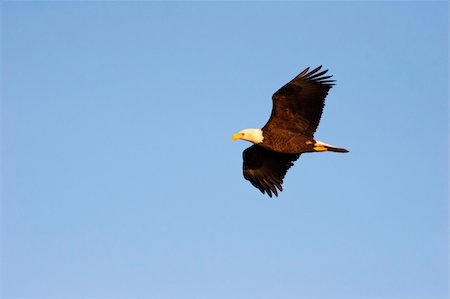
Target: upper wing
(266, 169)
(298, 105)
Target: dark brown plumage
(265, 169)
(289, 132)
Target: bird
(296, 111)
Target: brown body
(288, 143)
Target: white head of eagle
(252, 135)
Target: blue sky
(120, 180)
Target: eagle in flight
(289, 132)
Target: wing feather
(298, 105)
(266, 169)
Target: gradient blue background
(120, 180)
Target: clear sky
(120, 180)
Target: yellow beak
(236, 136)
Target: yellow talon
(320, 148)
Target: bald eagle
(289, 132)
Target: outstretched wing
(298, 105)
(266, 169)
